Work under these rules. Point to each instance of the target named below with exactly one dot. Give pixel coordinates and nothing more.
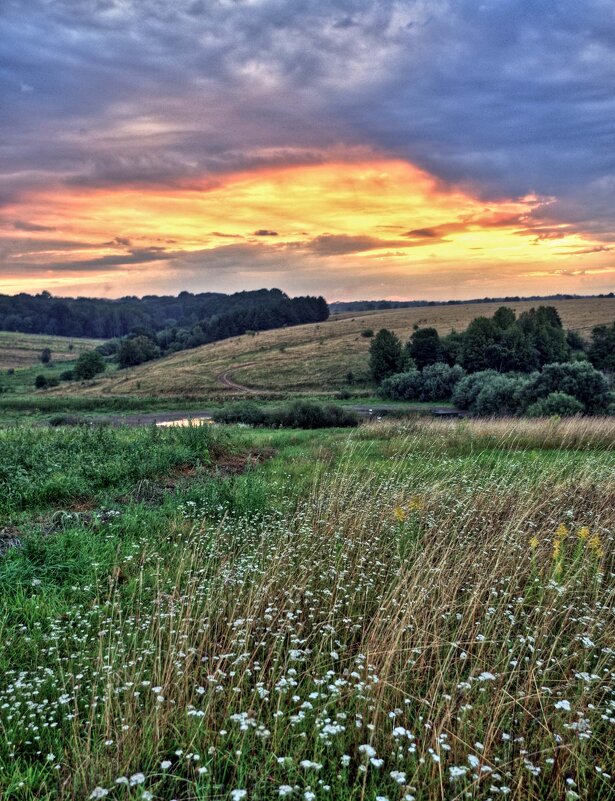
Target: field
(24, 350)
(406, 611)
(308, 359)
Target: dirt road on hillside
(226, 379)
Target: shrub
(306, 414)
(40, 382)
(88, 365)
(67, 375)
(46, 356)
(467, 389)
(500, 395)
(248, 413)
(300, 414)
(402, 386)
(439, 381)
(557, 403)
(425, 347)
(367, 333)
(580, 380)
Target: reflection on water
(185, 421)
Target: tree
(385, 355)
(136, 350)
(601, 352)
(481, 334)
(577, 379)
(557, 403)
(504, 317)
(40, 382)
(425, 347)
(88, 365)
(46, 355)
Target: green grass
(256, 630)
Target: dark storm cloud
(341, 244)
(505, 96)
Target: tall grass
(401, 630)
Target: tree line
(502, 364)
(216, 314)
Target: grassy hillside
(24, 350)
(309, 358)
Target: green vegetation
(299, 414)
(513, 366)
(88, 365)
(385, 612)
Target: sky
(419, 149)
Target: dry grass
(311, 358)
(419, 633)
(24, 350)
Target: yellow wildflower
(583, 533)
(416, 504)
(557, 549)
(561, 532)
(534, 542)
(400, 514)
(596, 545)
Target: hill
(23, 350)
(314, 358)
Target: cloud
(19, 225)
(341, 244)
(265, 232)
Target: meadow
(307, 359)
(24, 350)
(418, 610)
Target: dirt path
(226, 379)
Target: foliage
(425, 347)
(367, 333)
(557, 403)
(500, 395)
(385, 355)
(434, 383)
(218, 315)
(136, 350)
(299, 414)
(46, 356)
(578, 379)
(89, 365)
(601, 352)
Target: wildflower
(398, 776)
(583, 533)
(99, 792)
(165, 764)
(595, 544)
(456, 772)
(564, 705)
(284, 790)
(237, 795)
(400, 514)
(561, 532)
(534, 542)
(368, 750)
(136, 778)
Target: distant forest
(186, 320)
(339, 306)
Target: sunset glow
(239, 176)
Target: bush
(467, 389)
(580, 380)
(367, 333)
(67, 375)
(435, 383)
(557, 403)
(439, 381)
(88, 365)
(306, 414)
(500, 395)
(300, 414)
(40, 382)
(248, 413)
(402, 386)
(136, 350)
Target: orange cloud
(385, 217)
